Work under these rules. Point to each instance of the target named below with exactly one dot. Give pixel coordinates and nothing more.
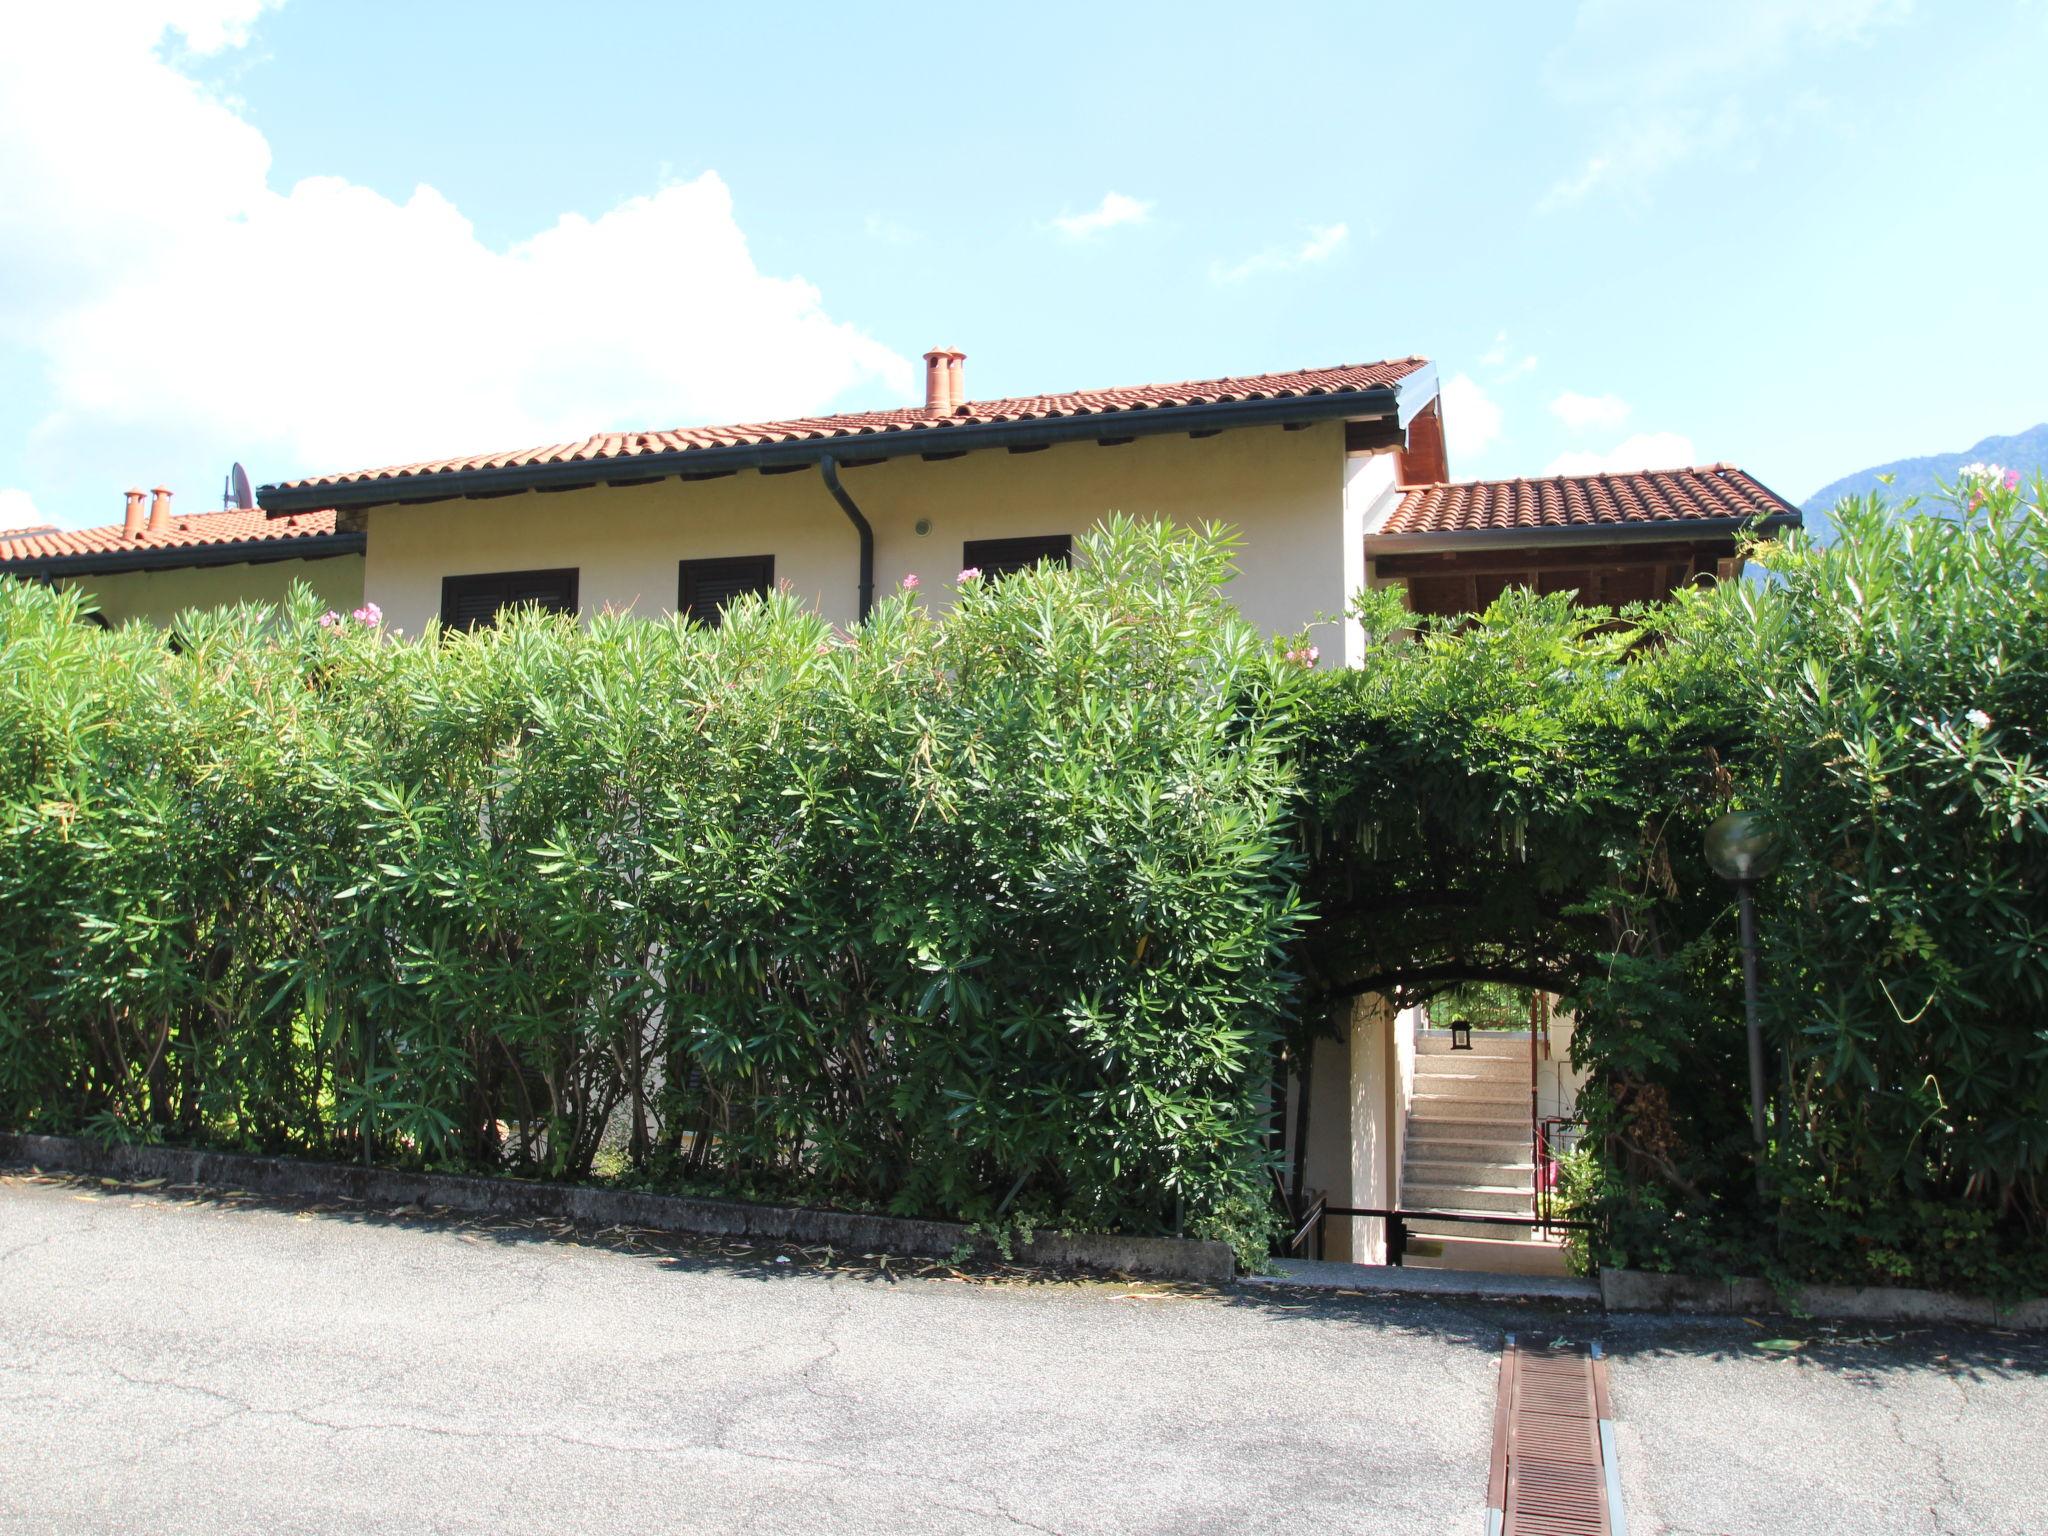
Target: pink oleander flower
(369, 614)
(2012, 479)
(972, 573)
(910, 582)
(330, 620)
(1307, 656)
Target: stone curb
(1166, 1258)
(1635, 1290)
(1409, 1280)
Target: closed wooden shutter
(704, 587)
(1001, 557)
(1632, 584)
(469, 601)
(1438, 594)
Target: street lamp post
(1742, 851)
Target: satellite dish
(236, 492)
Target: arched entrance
(1447, 1120)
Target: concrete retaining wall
(1163, 1257)
(1634, 1290)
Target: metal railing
(1556, 1136)
(1397, 1224)
(1311, 1226)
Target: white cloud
(1471, 419)
(1323, 242)
(1582, 411)
(1646, 450)
(1666, 84)
(889, 231)
(1114, 209)
(1646, 148)
(188, 313)
(18, 510)
(1500, 357)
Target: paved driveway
(225, 1367)
(1875, 1431)
(169, 1363)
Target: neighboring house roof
(1650, 503)
(238, 536)
(1402, 385)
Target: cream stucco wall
(1558, 1082)
(1359, 1092)
(1328, 1163)
(156, 597)
(1369, 495)
(1284, 491)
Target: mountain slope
(2024, 451)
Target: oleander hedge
(987, 918)
(1012, 917)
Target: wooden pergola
(1607, 574)
(1607, 538)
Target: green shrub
(1892, 694)
(1518, 798)
(1005, 917)
(966, 918)
(1902, 715)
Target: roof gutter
(1670, 531)
(828, 470)
(313, 546)
(1402, 399)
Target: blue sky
(1803, 237)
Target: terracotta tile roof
(1349, 378)
(189, 531)
(1717, 492)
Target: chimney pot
(160, 511)
(944, 381)
(131, 520)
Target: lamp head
(1740, 846)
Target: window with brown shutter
(470, 601)
(1002, 557)
(704, 587)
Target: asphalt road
(170, 1362)
(1862, 1431)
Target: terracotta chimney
(131, 523)
(945, 386)
(160, 511)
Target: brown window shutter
(704, 587)
(1003, 557)
(470, 601)
(1436, 594)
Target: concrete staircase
(1468, 1150)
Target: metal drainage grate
(1553, 1468)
